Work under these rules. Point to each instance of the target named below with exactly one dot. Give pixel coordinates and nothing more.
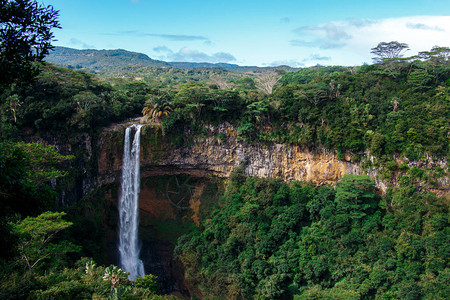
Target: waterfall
(128, 206)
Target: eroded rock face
(219, 152)
(215, 155)
(212, 156)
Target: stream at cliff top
(129, 248)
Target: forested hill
(100, 60)
(228, 67)
(241, 237)
(264, 239)
(113, 62)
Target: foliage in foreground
(36, 256)
(35, 243)
(273, 240)
(25, 37)
(85, 280)
(25, 172)
(46, 275)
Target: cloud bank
(178, 37)
(80, 44)
(357, 36)
(169, 37)
(326, 36)
(190, 55)
(288, 62)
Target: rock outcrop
(218, 154)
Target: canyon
(219, 151)
(181, 185)
(217, 154)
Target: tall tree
(265, 82)
(35, 234)
(25, 37)
(156, 108)
(389, 50)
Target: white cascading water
(128, 206)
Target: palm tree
(156, 112)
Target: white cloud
(78, 43)
(288, 62)
(422, 26)
(190, 55)
(350, 41)
(317, 57)
(361, 22)
(162, 49)
(170, 37)
(325, 36)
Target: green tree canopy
(35, 236)
(25, 37)
(389, 50)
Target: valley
(128, 177)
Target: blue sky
(247, 32)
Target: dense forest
(265, 238)
(275, 240)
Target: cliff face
(219, 151)
(216, 156)
(189, 171)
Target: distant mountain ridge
(103, 61)
(95, 59)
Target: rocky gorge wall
(193, 170)
(219, 151)
(218, 154)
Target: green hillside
(383, 235)
(100, 61)
(116, 62)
